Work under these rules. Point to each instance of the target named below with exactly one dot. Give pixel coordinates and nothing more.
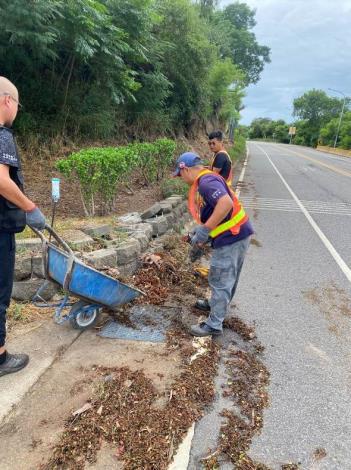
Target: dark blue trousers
(7, 266)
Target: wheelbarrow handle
(59, 240)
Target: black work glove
(195, 253)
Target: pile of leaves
(122, 412)
(166, 274)
(236, 324)
(247, 387)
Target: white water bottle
(55, 189)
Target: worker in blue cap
(221, 219)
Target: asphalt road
(296, 287)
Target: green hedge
(174, 186)
(100, 172)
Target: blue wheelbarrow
(94, 289)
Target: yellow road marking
(330, 167)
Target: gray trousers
(225, 267)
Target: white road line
(242, 174)
(336, 205)
(290, 204)
(340, 262)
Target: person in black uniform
(16, 211)
(221, 162)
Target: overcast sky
(310, 43)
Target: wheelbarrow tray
(85, 282)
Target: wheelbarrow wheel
(82, 315)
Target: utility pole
(341, 114)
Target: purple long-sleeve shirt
(211, 189)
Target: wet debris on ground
(247, 387)
(166, 274)
(256, 242)
(334, 304)
(240, 327)
(290, 466)
(122, 316)
(320, 453)
(122, 411)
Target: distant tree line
(268, 129)
(102, 69)
(318, 119)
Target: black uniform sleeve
(8, 151)
(220, 161)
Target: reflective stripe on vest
(230, 224)
(239, 216)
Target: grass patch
(70, 224)
(174, 186)
(238, 151)
(22, 313)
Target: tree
(186, 60)
(236, 41)
(261, 128)
(265, 128)
(281, 132)
(207, 7)
(225, 90)
(328, 132)
(101, 69)
(315, 108)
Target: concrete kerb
(106, 257)
(132, 229)
(24, 291)
(28, 244)
(98, 231)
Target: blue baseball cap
(187, 160)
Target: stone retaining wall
(117, 245)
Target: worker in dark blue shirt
(16, 211)
(222, 220)
(221, 162)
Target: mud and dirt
(334, 304)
